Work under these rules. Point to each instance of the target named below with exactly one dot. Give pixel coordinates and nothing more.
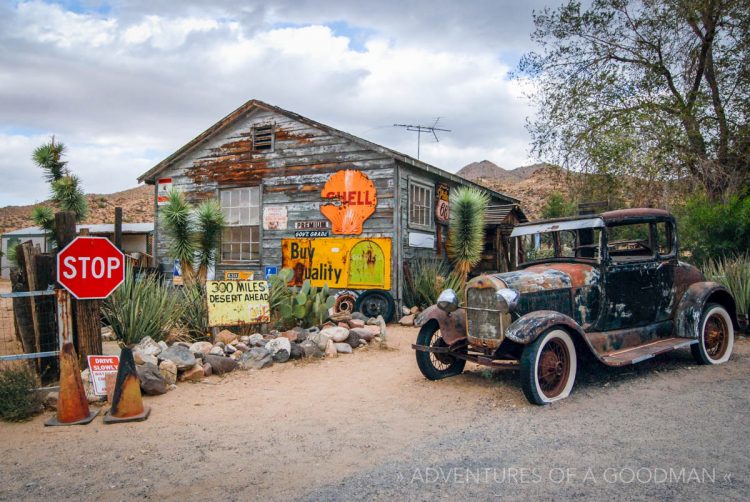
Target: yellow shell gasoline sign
(233, 303)
(339, 262)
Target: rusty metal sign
(442, 203)
(233, 303)
(339, 262)
(350, 198)
(239, 275)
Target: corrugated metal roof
(497, 215)
(96, 228)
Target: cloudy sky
(125, 83)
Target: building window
(263, 138)
(420, 205)
(241, 238)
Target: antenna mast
(419, 129)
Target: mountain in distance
(491, 172)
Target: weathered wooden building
(334, 207)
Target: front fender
(695, 299)
(452, 327)
(527, 328)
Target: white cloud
(124, 90)
(40, 22)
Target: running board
(648, 350)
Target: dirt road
(369, 426)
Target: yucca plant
(177, 220)
(466, 229)
(194, 234)
(427, 279)
(195, 311)
(49, 158)
(734, 273)
(209, 225)
(142, 306)
(67, 193)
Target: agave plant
(142, 306)
(427, 279)
(466, 229)
(734, 273)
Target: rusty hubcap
(715, 337)
(554, 367)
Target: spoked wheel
(433, 365)
(548, 367)
(716, 338)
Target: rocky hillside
(532, 184)
(137, 206)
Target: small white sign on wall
(420, 240)
(274, 218)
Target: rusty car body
(610, 286)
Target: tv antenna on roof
(419, 129)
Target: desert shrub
(714, 229)
(427, 279)
(142, 306)
(18, 397)
(195, 310)
(556, 206)
(734, 273)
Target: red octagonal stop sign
(90, 267)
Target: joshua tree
(466, 229)
(193, 234)
(67, 193)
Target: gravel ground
(368, 426)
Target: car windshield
(578, 244)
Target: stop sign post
(90, 268)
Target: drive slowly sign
(90, 267)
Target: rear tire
(716, 340)
(548, 367)
(432, 365)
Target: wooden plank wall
(292, 175)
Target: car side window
(629, 242)
(665, 238)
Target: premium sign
(163, 186)
(350, 198)
(99, 368)
(339, 262)
(311, 228)
(442, 203)
(233, 303)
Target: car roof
(595, 220)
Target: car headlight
(448, 301)
(507, 299)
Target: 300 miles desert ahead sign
(233, 303)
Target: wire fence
(28, 333)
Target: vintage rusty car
(609, 286)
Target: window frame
(430, 207)
(253, 260)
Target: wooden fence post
(88, 326)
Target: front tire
(435, 366)
(717, 336)
(548, 367)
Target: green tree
(654, 89)
(466, 229)
(557, 206)
(67, 193)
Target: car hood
(550, 276)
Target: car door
(632, 266)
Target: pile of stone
(161, 366)
(409, 315)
